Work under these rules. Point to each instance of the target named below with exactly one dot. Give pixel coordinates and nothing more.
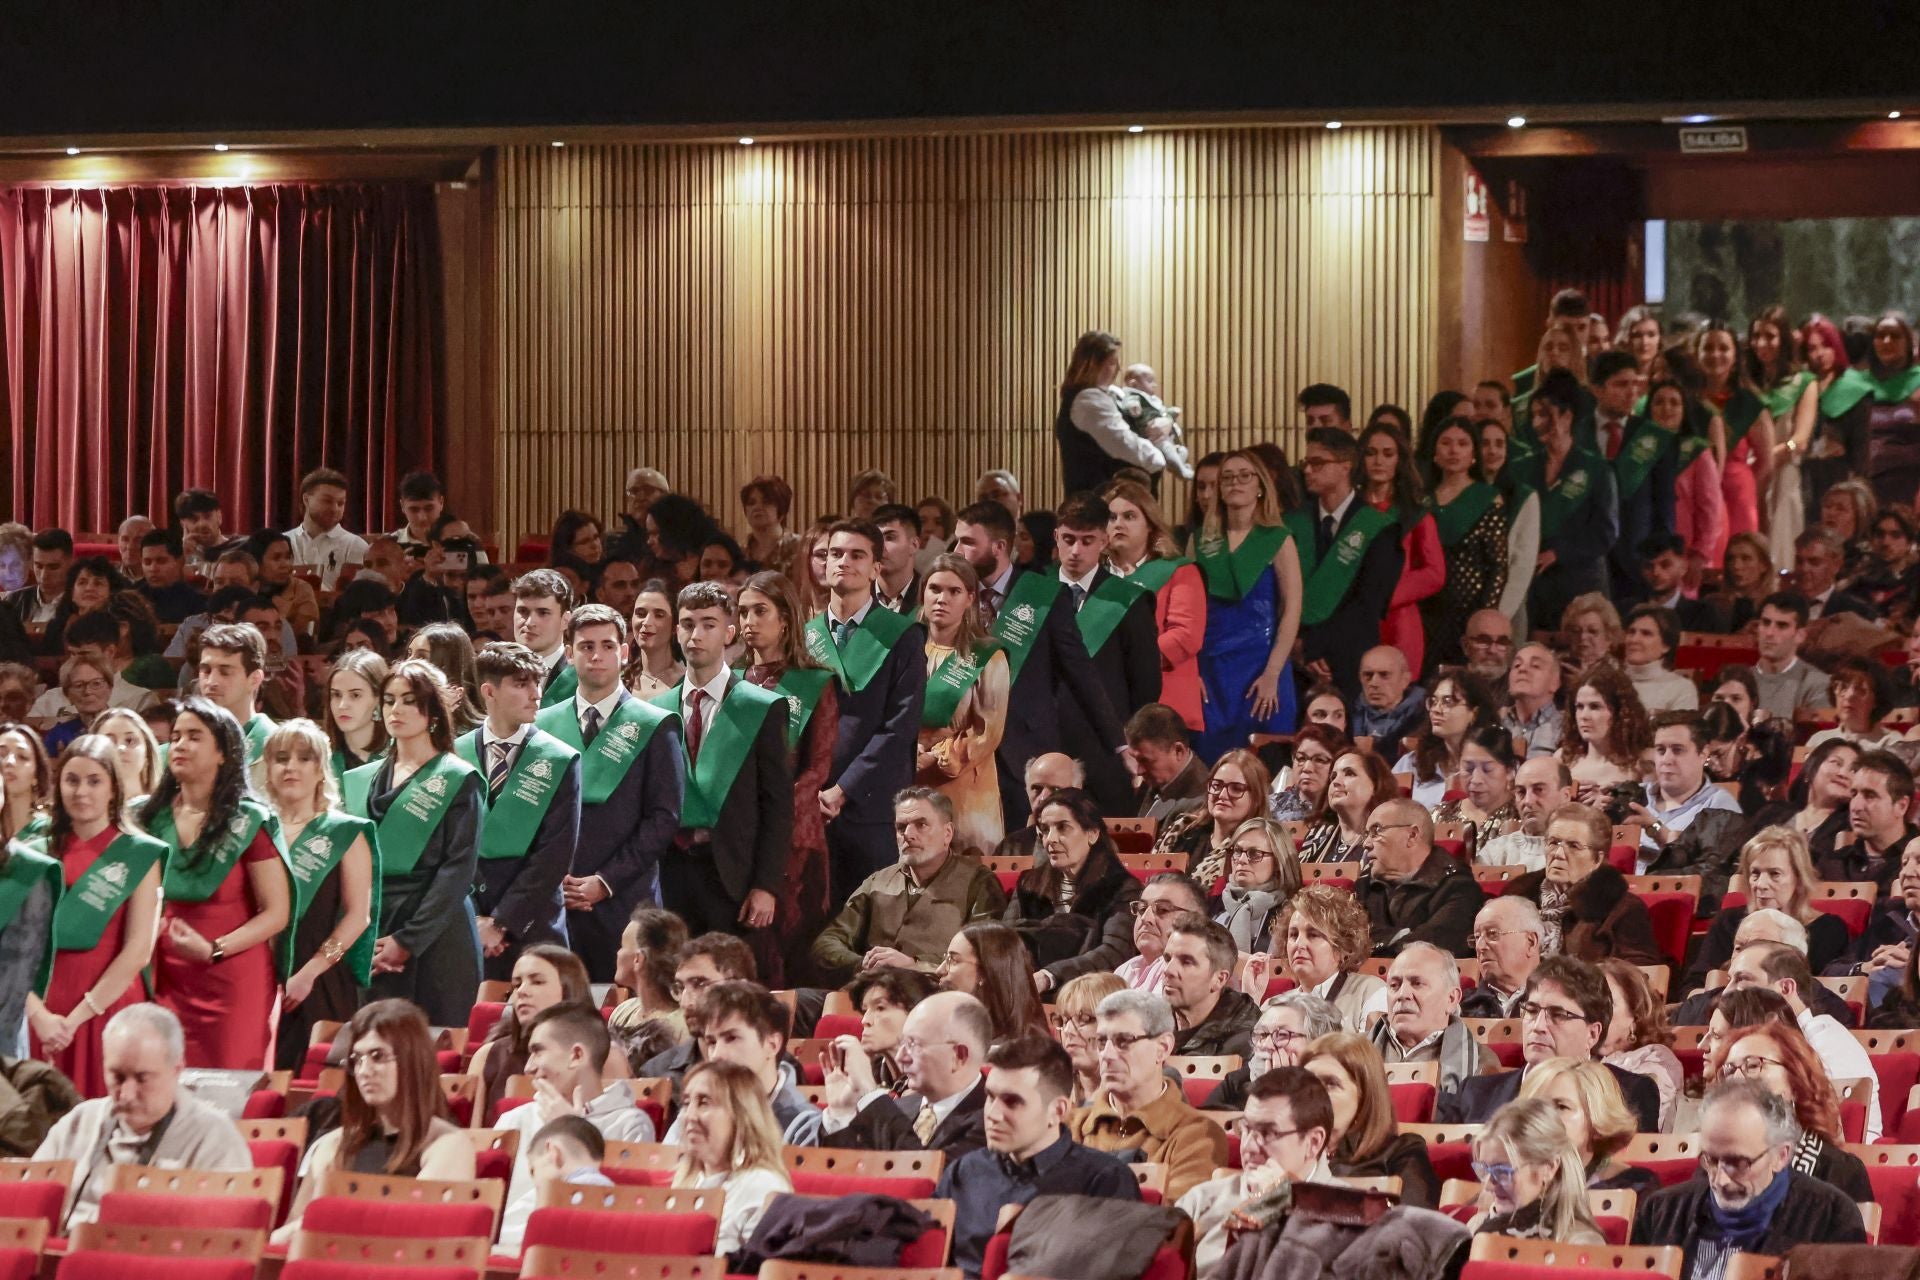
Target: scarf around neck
(1745, 1227)
(1245, 912)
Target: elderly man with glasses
(1564, 1013)
(1488, 644)
(1166, 897)
(1412, 891)
(1506, 940)
(1288, 1023)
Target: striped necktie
(499, 764)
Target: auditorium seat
(551, 1262)
(1894, 1172)
(1168, 1264)
(21, 1243)
(148, 1209)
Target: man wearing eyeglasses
(1167, 897)
(1288, 1023)
(1350, 568)
(942, 1056)
(1412, 891)
(1139, 1114)
(1564, 1012)
(1210, 1015)
(1283, 1138)
(1506, 940)
(703, 963)
(1749, 1197)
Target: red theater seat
(340, 1216)
(326, 1269)
(837, 1024)
(141, 1209)
(119, 1266)
(1672, 914)
(809, 1183)
(672, 1234)
(1412, 1103)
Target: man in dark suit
(1564, 1011)
(1117, 626)
(1350, 561)
(1663, 567)
(729, 860)
(896, 583)
(533, 811)
(631, 778)
(1054, 684)
(542, 603)
(1818, 557)
(34, 606)
(942, 1056)
(1644, 460)
(879, 663)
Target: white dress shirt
(605, 707)
(329, 549)
(715, 689)
(1844, 1059)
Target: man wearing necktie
(1125, 654)
(942, 1056)
(1645, 462)
(1332, 649)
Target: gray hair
(1792, 932)
(1526, 911)
(941, 803)
(1185, 883)
(1320, 1015)
(1448, 964)
(1775, 1111)
(973, 1024)
(154, 1020)
(1155, 1014)
(1006, 479)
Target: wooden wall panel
(816, 308)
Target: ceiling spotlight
(1136, 128)
(1333, 124)
(1893, 115)
(557, 143)
(73, 151)
(746, 142)
(220, 146)
(1516, 122)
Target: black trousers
(690, 888)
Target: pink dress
(1423, 574)
(1741, 492)
(1700, 509)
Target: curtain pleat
(168, 337)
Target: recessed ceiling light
(220, 146)
(1136, 128)
(1516, 122)
(1893, 115)
(1333, 124)
(746, 142)
(73, 151)
(557, 143)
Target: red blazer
(1180, 612)
(1425, 573)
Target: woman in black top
(1366, 1141)
(1775, 871)
(1074, 912)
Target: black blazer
(887, 1125)
(1480, 1096)
(1838, 603)
(755, 830)
(554, 674)
(522, 895)
(1129, 664)
(1813, 1213)
(873, 756)
(1354, 625)
(621, 840)
(1057, 687)
(1700, 615)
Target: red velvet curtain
(224, 337)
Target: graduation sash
(310, 860)
(1688, 448)
(949, 683)
(866, 649)
(618, 744)
(196, 883)
(1022, 616)
(1640, 450)
(514, 816)
(1231, 574)
(415, 813)
(564, 686)
(1328, 581)
(1458, 517)
(1562, 498)
(84, 910)
(256, 731)
(724, 748)
(1105, 607)
(35, 833)
(1843, 393)
(801, 687)
(1785, 394)
(24, 869)
(1895, 387)
(1155, 574)
(1741, 411)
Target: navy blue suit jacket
(522, 895)
(873, 756)
(621, 840)
(1058, 702)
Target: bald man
(1412, 891)
(1390, 705)
(943, 1055)
(1488, 644)
(1540, 785)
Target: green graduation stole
(1566, 494)
(1231, 574)
(1328, 581)
(724, 749)
(84, 910)
(1895, 387)
(1106, 606)
(415, 813)
(1022, 616)
(24, 869)
(867, 646)
(949, 683)
(35, 833)
(310, 860)
(1156, 573)
(1843, 393)
(801, 687)
(257, 730)
(514, 816)
(181, 883)
(564, 686)
(1458, 517)
(339, 765)
(619, 743)
(1640, 450)
(1785, 394)
(1741, 412)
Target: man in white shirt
(1284, 1133)
(1781, 968)
(1677, 798)
(567, 1049)
(422, 499)
(318, 539)
(942, 1055)
(1785, 681)
(1540, 785)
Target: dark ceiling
(73, 67)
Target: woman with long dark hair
(544, 975)
(1095, 441)
(1469, 518)
(1255, 604)
(30, 887)
(655, 667)
(91, 584)
(227, 887)
(1492, 449)
(1893, 418)
(1838, 448)
(26, 781)
(1458, 703)
(964, 713)
(450, 648)
(425, 801)
(1076, 909)
(1699, 495)
(393, 1115)
(576, 534)
(1792, 397)
(988, 961)
(772, 627)
(328, 947)
(1385, 476)
(1142, 549)
(1611, 730)
(353, 709)
(1746, 428)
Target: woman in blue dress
(1252, 570)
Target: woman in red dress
(104, 927)
(1744, 440)
(770, 627)
(215, 963)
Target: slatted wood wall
(816, 308)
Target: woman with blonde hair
(1747, 579)
(732, 1145)
(1250, 558)
(1320, 939)
(1142, 549)
(1598, 1122)
(1263, 872)
(1366, 1141)
(1775, 872)
(333, 863)
(1591, 629)
(1533, 1185)
(1562, 346)
(134, 745)
(964, 713)
(1073, 1007)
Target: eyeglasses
(1378, 829)
(682, 986)
(1238, 477)
(1161, 910)
(1490, 1173)
(1444, 701)
(1311, 757)
(1279, 1039)
(1557, 845)
(1733, 1166)
(1231, 790)
(907, 1044)
(1752, 1067)
(370, 1058)
(1555, 1014)
(1246, 853)
(1491, 642)
(1479, 936)
(1084, 1024)
(1266, 1132)
(1120, 1040)
(1309, 463)
(89, 686)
